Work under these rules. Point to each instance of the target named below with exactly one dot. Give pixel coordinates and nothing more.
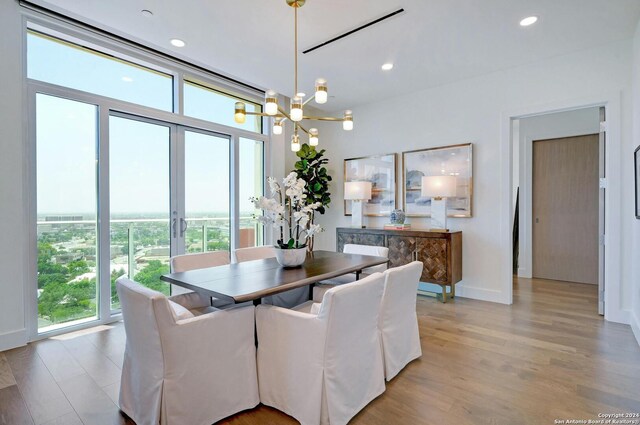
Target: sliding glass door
(140, 202)
(206, 224)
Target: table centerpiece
(287, 211)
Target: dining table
(254, 280)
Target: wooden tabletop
(252, 280)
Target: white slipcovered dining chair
(398, 321)
(323, 363)
(181, 367)
(201, 260)
(377, 251)
(253, 253)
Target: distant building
(63, 218)
(67, 257)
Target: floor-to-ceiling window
(136, 159)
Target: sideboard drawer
(401, 250)
(434, 255)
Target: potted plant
(288, 211)
(312, 169)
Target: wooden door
(565, 209)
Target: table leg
(256, 302)
(358, 274)
(311, 291)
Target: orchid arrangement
(287, 210)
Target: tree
(311, 168)
(150, 276)
(115, 274)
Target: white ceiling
(434, 42)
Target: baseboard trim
(617, 316)
(481, 294)
(524, 272)
(635, 326)
(13, 339)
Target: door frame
(612, 263)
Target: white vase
(291, 257)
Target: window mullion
(234, 191)
(104, 238)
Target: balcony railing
(68, 256)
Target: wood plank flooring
(548, 356)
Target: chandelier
(296, 113)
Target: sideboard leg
(453, 290)
(444, 293)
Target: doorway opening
(558, 209)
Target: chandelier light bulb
(271, 102)
(241, 113)
(277, 127)
(296, 109)
(347, 123)
(313, 137)
(295, 143)
(321, 91)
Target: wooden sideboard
(440, 252)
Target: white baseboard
(524, 272)
(635, 326)
(617, 316)
(481, 294)
(13, 339)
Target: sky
(140, 152)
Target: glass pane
(251, 185)
(206, 179)
(139, 185)
(66, 143)
(211, 105)
(65, 64)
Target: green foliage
(61, 298)
(312, 168)
(115, 274)
(150, 276)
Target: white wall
(13, 231)
(541, 127)
(635, 224)
(471, 111)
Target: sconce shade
(438, 186)
(357, 191)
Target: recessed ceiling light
(387, 67)
(301, 94)
(127, 79)
(146, 13)
(177, 42)
(529, 20)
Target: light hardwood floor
(549, 356)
